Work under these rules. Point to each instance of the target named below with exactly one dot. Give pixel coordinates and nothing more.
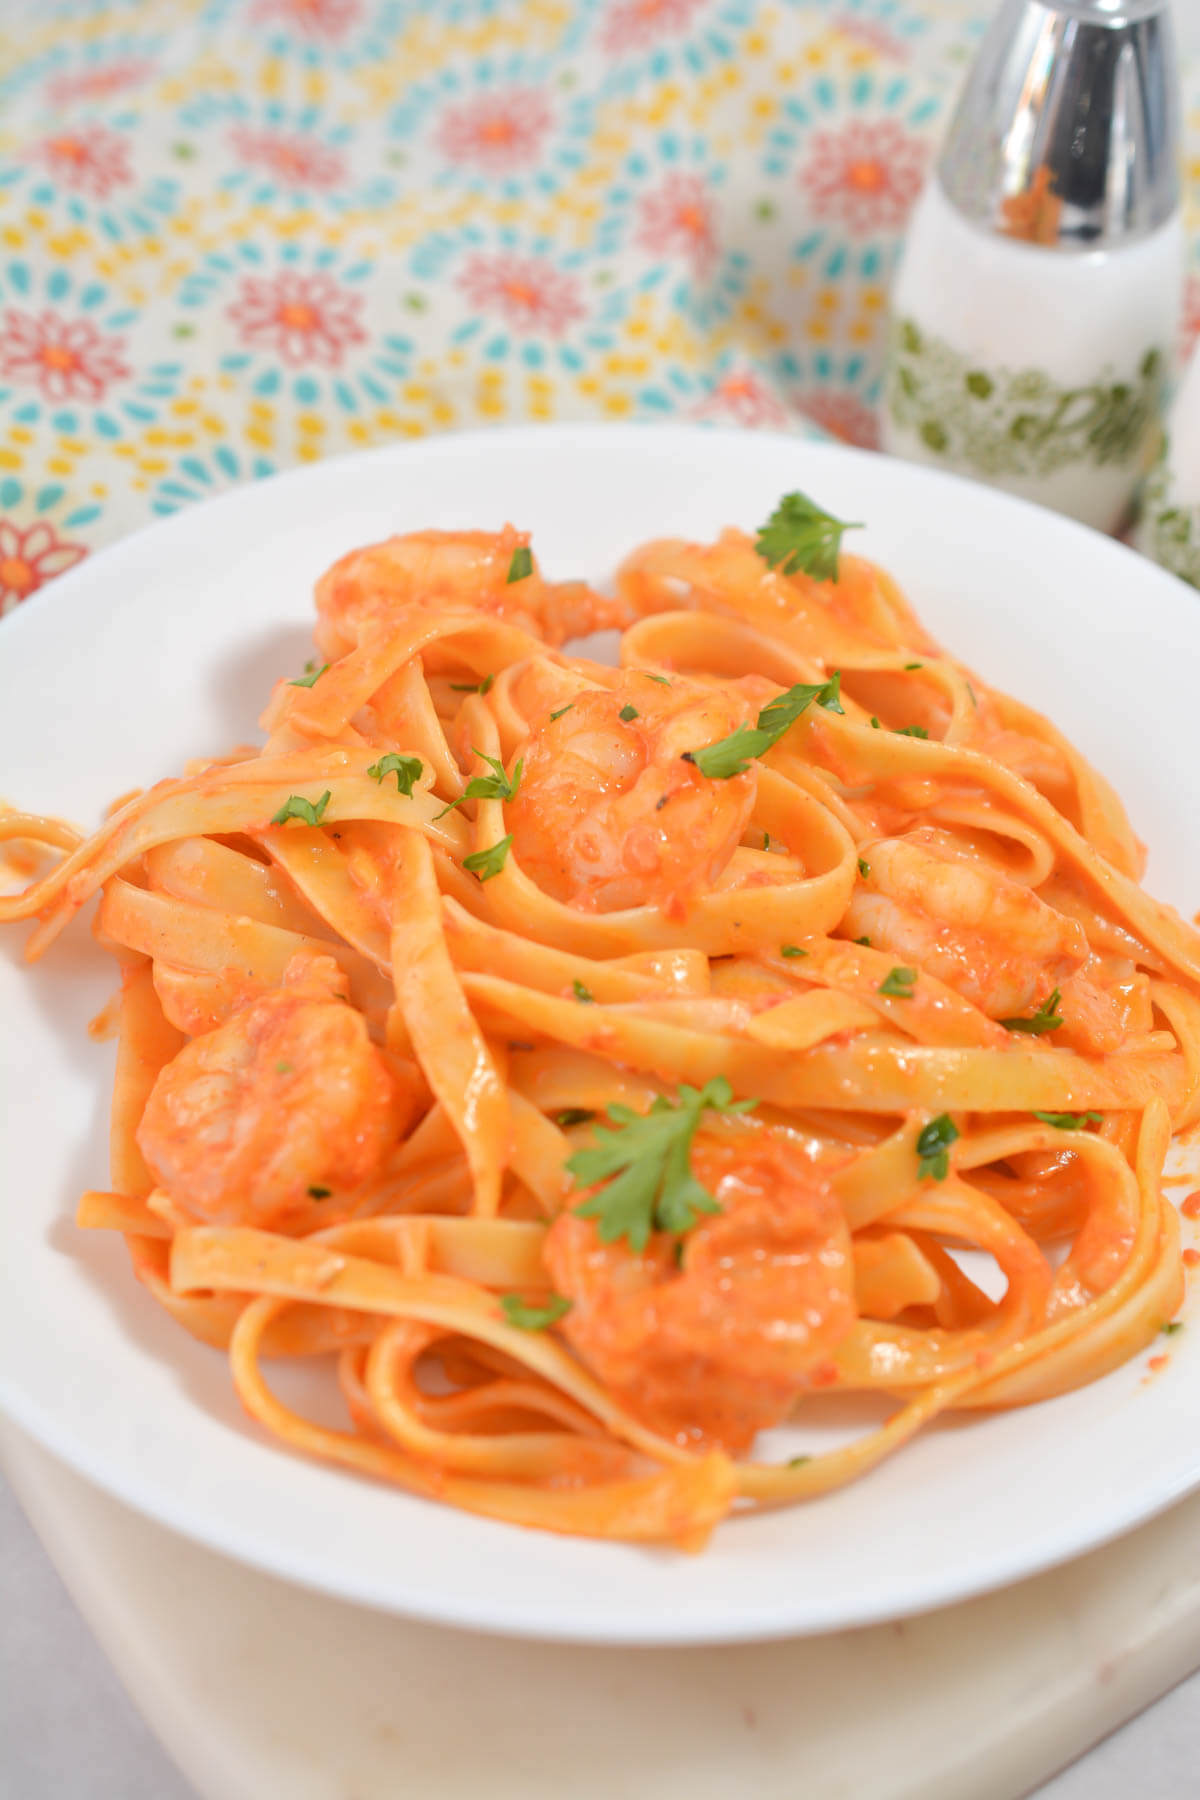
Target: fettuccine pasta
(599, 1066)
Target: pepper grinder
(1038, 303)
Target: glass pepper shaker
(1037, 306)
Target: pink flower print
(294, 160)
(97, 84)
(532, 295)
(740, 398)
(866, 174)
(68, 359)
(843, 416)
(327, 19)
(633, 24)
(495, 132)
(306, 318)
(30, 558)
(1190, 330)
(92, 162)
(679, 216)
(872, 36)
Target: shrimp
(286, 1100)
(365, 589)
(609, 813)
(722, 1346)
(984, 934)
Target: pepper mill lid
(1068, 131)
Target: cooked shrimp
(434, 568)
(982, 933)
(722, 1346)
(610, 815)
(287, 1097)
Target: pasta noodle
(602, 1065)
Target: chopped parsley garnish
(914, 665)
(971, 691)
(800, 538)
(911, 731)
(473, 687)
(766, 840)
(646, 1168)
(933, 1145)
(798, 1462)
(1069, 1121)
(898, 983)
(406, 769)
(875, 726)
(561, 711)
(1171, 1327)
(489, 862)
(661, 679)
(628, 712)
(864, 941)
(1046, 1018)
(864, 868)
(495, 786)
(792, 950)
(521, 565)
(308, 679)
(284, 1068)
(574, 1115)
(297, 807)
(319, 1193)
(581, 993)
(731, 755)
(534, 1318)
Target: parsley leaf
(319, 1193)
(914, 665)
(307, 679)
(864, 941)
(864, 868)
(731, 755)
(799, 536)
(628, 712)
(297, 807)
(495, 786)
(1171, 1327)
(898, 984)
(646, 1168)
(874, 723)
(574, 1115)
(473, 687)
(1046, 1018)
(933, 1144)
(911, 731)
(792, 950)
(406, 769)
(581, 992)
(489, 862)
(798, 1462)
(661, 679)
(534, 1318)
(561, 711)
(521, 566)
(1069, 1121)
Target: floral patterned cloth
(240, 234)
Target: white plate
(164, 647)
